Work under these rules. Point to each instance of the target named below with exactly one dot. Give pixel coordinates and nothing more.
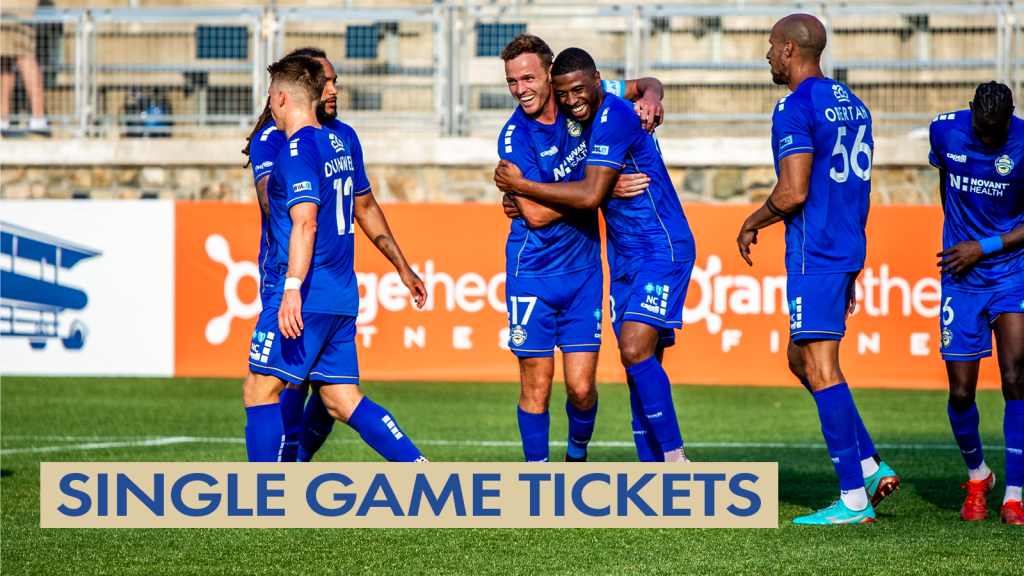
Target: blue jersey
(550, 153)
(263, 151)
(648, 227)
(822, 117)
(984, 197)
(323, 166)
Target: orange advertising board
(736, 317)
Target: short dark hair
(573, 60)
(993, 100)
(303, 73)
(528, 44)
(311, 51)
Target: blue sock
(377, 428)
(656, 397)
(581, 428)
(647, 447)
(292, 401)
(1013, 430)
(965, 430)
(864, 443)
(264, 433)
(316, 425)
(838, 424)
(534, 430)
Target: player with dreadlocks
(306, 424)
(982, 266)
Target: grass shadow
(5, 473)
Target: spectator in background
(19, 47)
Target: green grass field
(110, 419)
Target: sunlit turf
(918, 529)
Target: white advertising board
(87, 288)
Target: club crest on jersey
(947, 337)
(518, 336)
(336, 143)
(840, 93)
(575, 129)
(1004, 165)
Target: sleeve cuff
(363, 192)
(301, 199)
(797, 150)
(618, 165)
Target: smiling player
(554, 283)
(978, 152)
(650, 247)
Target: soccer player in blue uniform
(306, 424)
(318, 192)
(650, 247)
(979, 153)
(554, 286)
(821, 138)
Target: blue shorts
(966, 320)
(563, 311)
(325, 353)
(654, 295)
(818, 304)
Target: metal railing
(434, 68)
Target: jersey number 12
(343, 193)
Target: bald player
(821, 139)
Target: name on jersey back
(338, 165)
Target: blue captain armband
(990, 245)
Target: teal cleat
(838, 513)
(882, 483)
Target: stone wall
(391, 183)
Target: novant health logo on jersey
(1004, 164)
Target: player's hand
(629, 185)
(510, 207)
(289, 315)
(744, 240)
(958, 260)
(416, 287)
(650, 110)
(507, 175)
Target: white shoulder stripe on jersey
(266, 133)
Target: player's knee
(631, 354)
(961, 397)
(582, 397)
(1013, 382)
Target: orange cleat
(1012, 513)
(975, 507)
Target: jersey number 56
(850, 159)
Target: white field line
(113, 442)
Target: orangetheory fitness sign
(384, 495)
